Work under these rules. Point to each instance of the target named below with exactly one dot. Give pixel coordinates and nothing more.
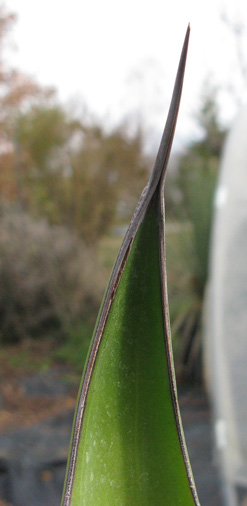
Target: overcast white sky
(120, 58)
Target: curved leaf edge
(156, 183)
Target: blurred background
(84, 92)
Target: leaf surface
(127, 445)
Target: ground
(36, 389)
(21, 361)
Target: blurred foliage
(75, 349)
(64, 182)
(75, 174)
(69, 170)
(17, 92)
(79, 175)
(189, 244)
(198, 176)
(48, 279)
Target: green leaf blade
(129, 452)
(127, 446)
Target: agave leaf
(127, 445)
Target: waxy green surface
(129, 452)
(127, 444)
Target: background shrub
(47, 277)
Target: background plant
(48, 279)
(188, 238)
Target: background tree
(108, 172)
(17, 92)
(70, 171)
(78, 175)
